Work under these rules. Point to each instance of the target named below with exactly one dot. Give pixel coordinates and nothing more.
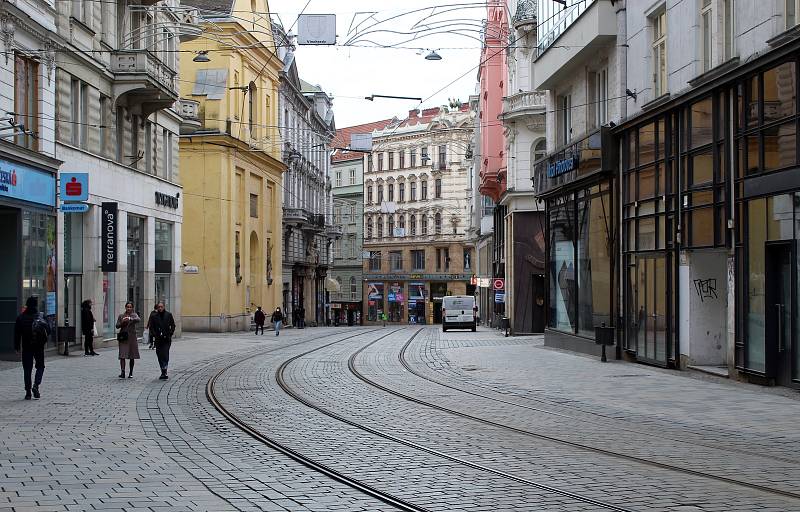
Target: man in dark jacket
(87, 328)
(31, 346)
(259, 318)
(162, 327)
(277, 319)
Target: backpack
(41, 331)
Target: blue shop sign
(562, 166)
(74, 186)
(19, 181)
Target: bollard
(604, 336)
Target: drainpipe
(622, 81)
(622, 58)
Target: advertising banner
(108, 235)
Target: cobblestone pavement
(96, 442)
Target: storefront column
(149, 285)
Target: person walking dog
(128, 345)
(277, 319)
(87, 328)
(259, 318)
(162, 327)
(31, 332)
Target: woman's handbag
(122, 336)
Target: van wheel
(474, 327)
(444, 329)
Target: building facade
(231, 165)
(347, 169)
(700, 168)
(523, 118)
(415, 210)
(307, 125)
(118, 120)
(28, 166)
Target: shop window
(418, 259)
(26, 100)
(563, 298)
(594, 262)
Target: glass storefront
(136, 259)
(163, 264)
(375, 307)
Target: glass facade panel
(701, 227)
(594, 264)
(702, 169)
(702, 123)
(780, 92)
(754, 309)
(647, 144)
(647, 183)
(780, 217)
(780, 146)
(39, 261)
(73, 243)
(647, 234)
(562, 268)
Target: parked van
(459, 312)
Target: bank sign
(563, 165)
(18, 181)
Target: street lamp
(202, 56)
(433, 56)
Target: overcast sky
(351, 72)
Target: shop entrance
(72, 301)
(9, 278)
(649, 296)
(537, 303)
(781, 280)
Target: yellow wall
(221, 170)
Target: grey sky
(350, 72)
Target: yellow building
(230, 164)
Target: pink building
(492, 75)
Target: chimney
(412, 114)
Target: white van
(459, 312)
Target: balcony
(316, 222)
(295, 216)
(142, 82)
(525, 15)
(188, 24)
(189, 111)
(576, 34)
(523, 104)
(334, 230)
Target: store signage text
(167, 200)
(562, 166)
(109, 237)
(25, 183)
(7, 179)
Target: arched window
(437, 223)
(401, 223)
(369, 228)
(538, 150)
(424, 221)
(413, 224)
(379, 222)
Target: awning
(332, 285)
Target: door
(538, 303)
(779, 304)
(10, 280)
(648, 298)
(72, 301)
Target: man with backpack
(31, 332)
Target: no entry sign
(499, 283)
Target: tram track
(544, 437)
(293, 454)
(279, 375)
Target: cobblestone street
(394, 418)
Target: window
(375, 261)
(599, 99)
(423, 192)
(424, 221)
(467, 259)
(792, 6)
(413, 158)
(370, 160)
(442, 259)
(380, 192)
(352, 177)
(379, 221)
(391, 160)
(402, 156)
(163, 248)
(254, 206)
(488, 207)
(26, 100)
(424, 156)
(660, 54)
(413, 191)
(401, 192)
(706, 23)
(390, 230)
(166, 142)
(369, 194)
(80, 113)
(401, 223)
(390, 186)
(412, 221)
(728, 27)
(338, 178)
(396, 260)
(437, 188)
(380, 161)
(418, 259)
(369, 229)
(437, 223)
(353, 288)
(442, 157)
(565, 119)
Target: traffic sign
(499, 283)
(74, 207)
(499, 297)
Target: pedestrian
(162, 327)
(259, 317)
(301, 317)
(31, 332)
(277, 319)
(87, 328)
(151, 342)
(128, 345)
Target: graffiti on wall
(706, 289)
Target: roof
(307, 87)
(342, 139)
(211, 8)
